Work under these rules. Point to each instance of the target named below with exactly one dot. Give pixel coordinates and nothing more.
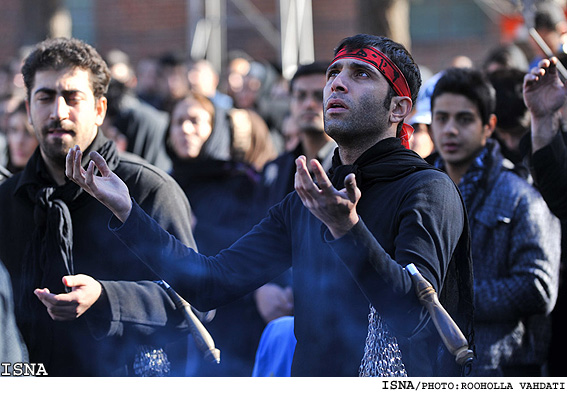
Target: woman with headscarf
(220, 190)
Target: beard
(56, 149)
(362, 124)
(313, 130)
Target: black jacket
(104, 340)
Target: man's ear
(489, 128)
(400, 108)
(101, 105)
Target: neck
(456, 173)
(56, 171)
(312, 143)
(350, 155)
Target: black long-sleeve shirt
(407, 216)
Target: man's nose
(60, 109)
(338, 82)
(451, 127)
(313, 100)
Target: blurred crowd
(229, 139)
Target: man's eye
(72, 99)
(332, 73)
(363, 74)
(299, 96)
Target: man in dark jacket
(348, 238)
(515, 240)
(77, 306)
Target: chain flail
(382, 355)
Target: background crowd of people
(225, 148)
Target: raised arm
(544, 95)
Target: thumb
(73, 281)
(100, 163)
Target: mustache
(56, 124)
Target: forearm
(383, 280)
(549, 166)
(544, 128)
(512, 298)
(206, 282)
(125, 307)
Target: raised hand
(68, 306)
(108, 188)
(335, 208)
(544, 93)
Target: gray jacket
(516, 246)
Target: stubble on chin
(56, 152)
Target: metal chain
(382, 355)
(151, 362)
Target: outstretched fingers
(100, 163)
(303, 183)
(321, 177)
(70, 170)
(352, 190)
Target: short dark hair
(506, 56)
(548, 15)
(511, 109)
(61, 53)
(395, 51)
(315, 68)
(470, 83)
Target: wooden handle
(450, 333)
(202, 337)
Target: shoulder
(282, 159)
(9, 185)
(513, 193)
(511, 184)
(146, 180)
(134, 167)
(430, 179)
(278, 167)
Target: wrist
(543, 129)
(341, 230)
(123, 213)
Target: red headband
(391, 72)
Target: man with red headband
(347, 235)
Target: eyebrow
(366, 67)
(353, 64)
(458, 113)
(48, 90)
